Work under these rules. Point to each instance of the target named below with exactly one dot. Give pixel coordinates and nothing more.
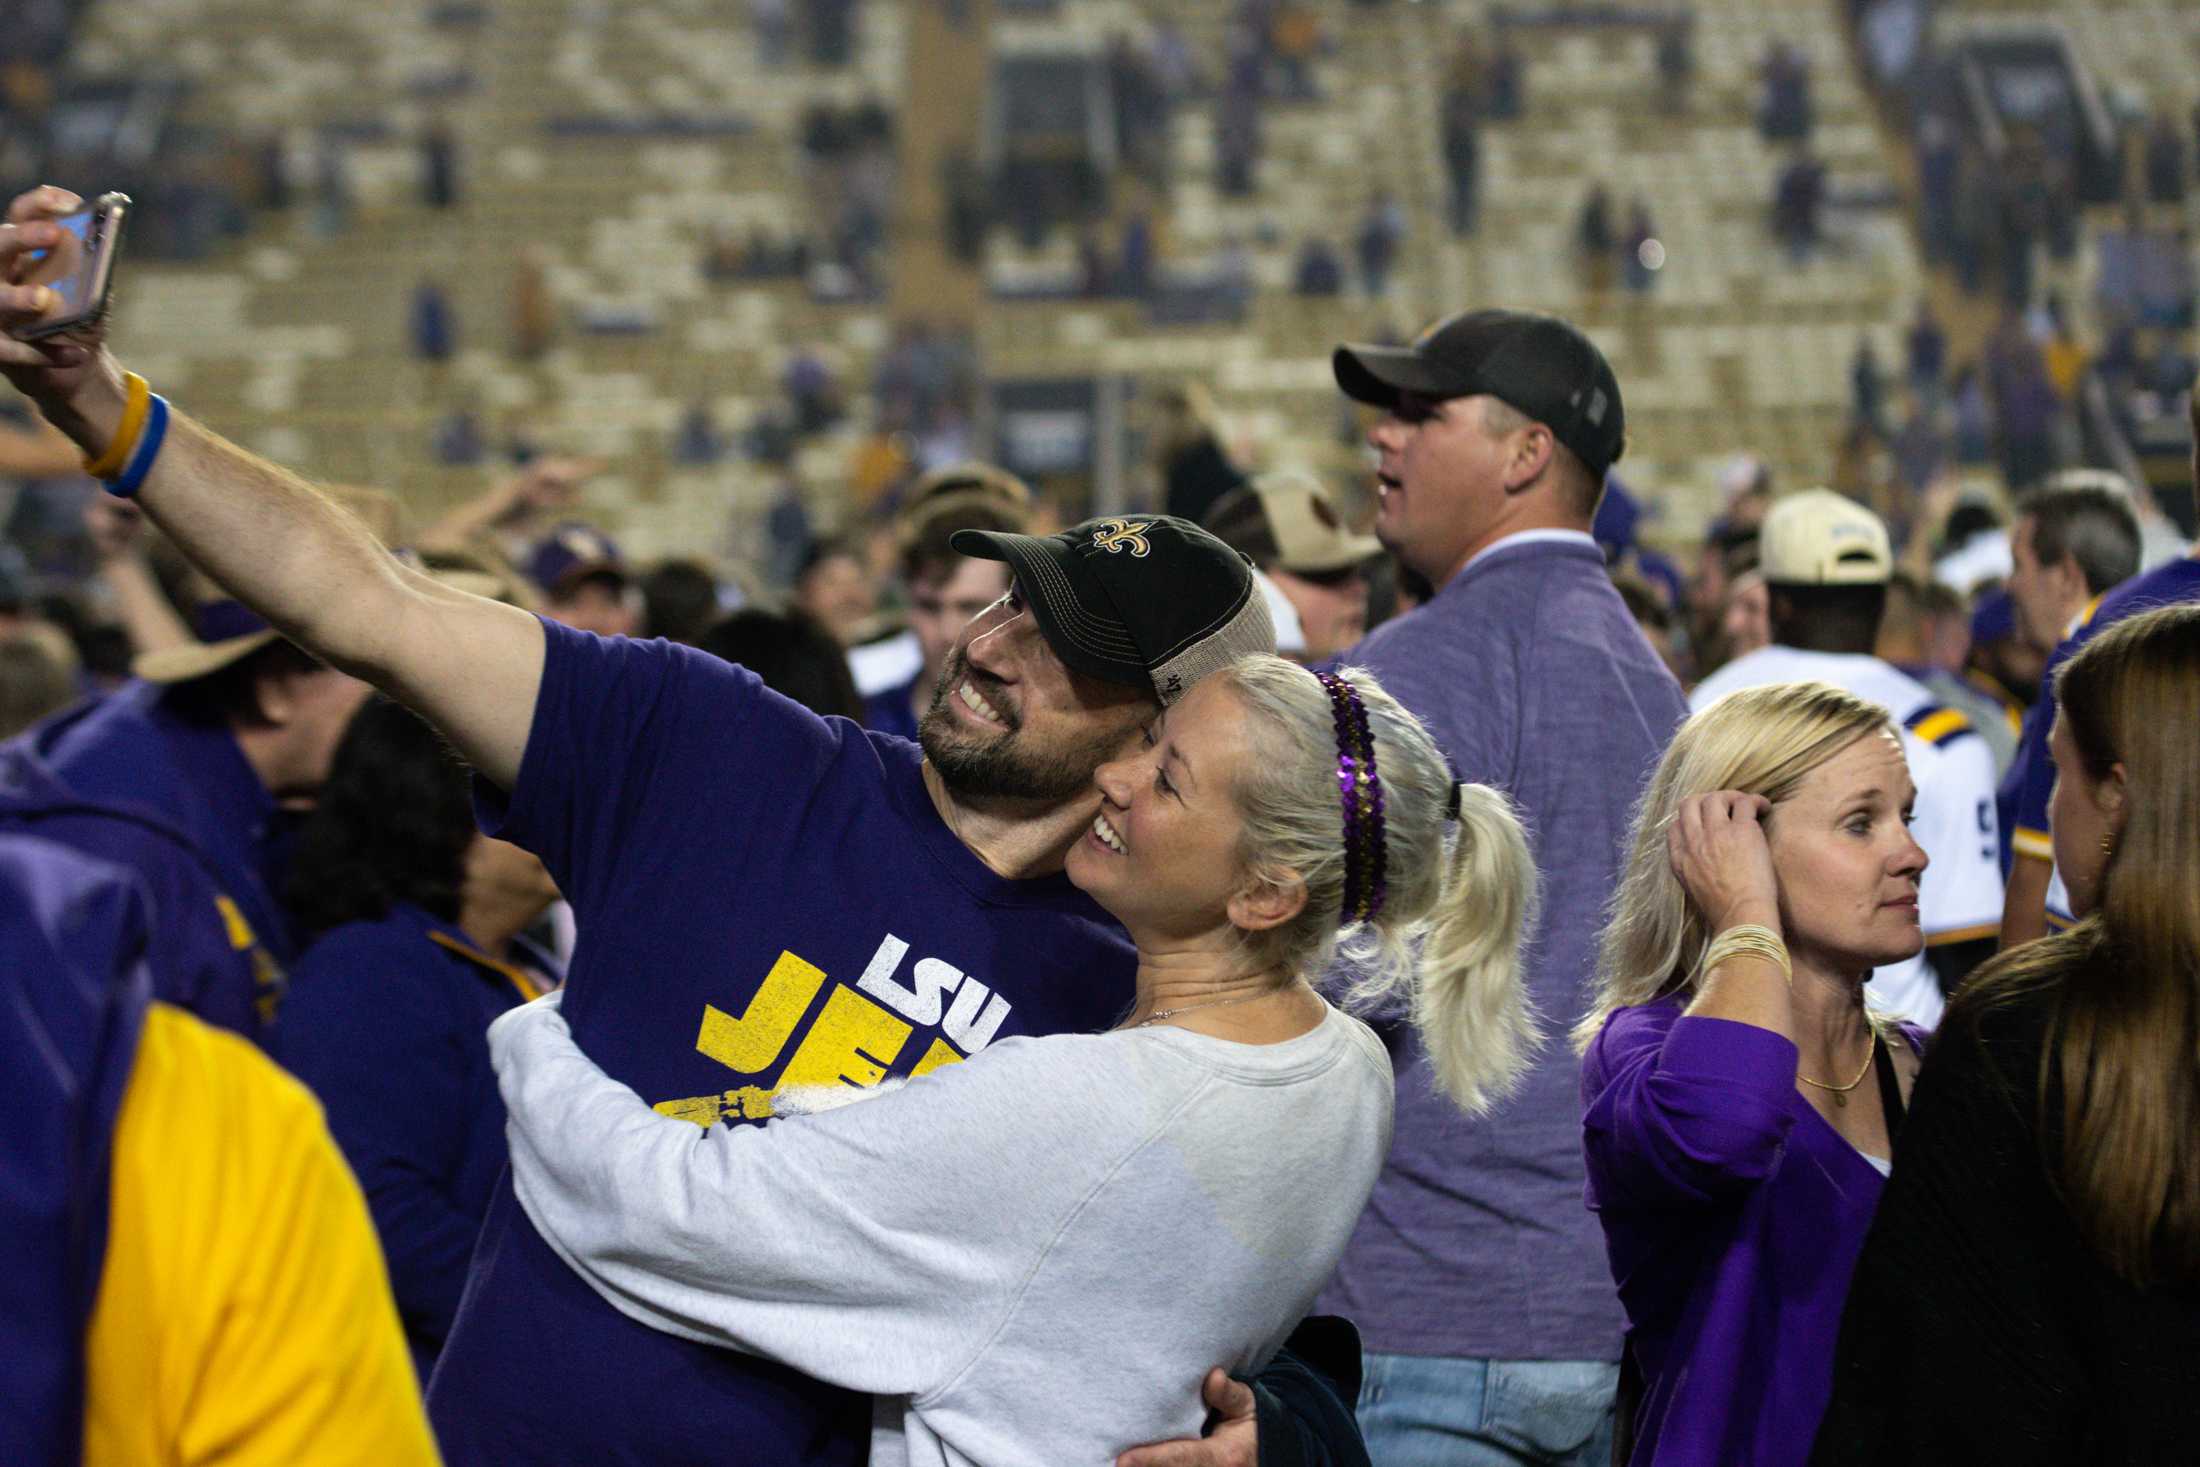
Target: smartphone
(80, 270)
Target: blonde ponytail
(1470, 999)
(1445, 947)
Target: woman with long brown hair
(2030, 1291)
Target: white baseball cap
(1816, 537)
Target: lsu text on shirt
(764, 898)
(1959, 896)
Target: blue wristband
(148, 449)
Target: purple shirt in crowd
(1733, 1214)
(1533, 677)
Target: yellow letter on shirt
(852, 1043)
(750, 1043)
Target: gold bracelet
(1749, 939)
(134, 408)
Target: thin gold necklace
(1840, 1093)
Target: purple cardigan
(1733, 1216)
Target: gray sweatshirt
(1031, 1257)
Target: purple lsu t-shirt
(764, 898)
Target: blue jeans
(1417, 1411)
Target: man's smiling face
(1009, 720)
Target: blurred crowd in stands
(2075, 365)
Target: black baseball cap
(1150, 600)
(1538, 364)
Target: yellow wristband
(134, 408)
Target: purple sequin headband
(1364, 849)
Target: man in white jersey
(1826, 561)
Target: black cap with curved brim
(1537, 364)
(1148, 600)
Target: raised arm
(147, 616)
(1720, 853)
(1939, 502)
(519, 503)
(1702, 1109)
(471, 666)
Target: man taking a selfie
(742, 919)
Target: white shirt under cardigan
(1033, 1256)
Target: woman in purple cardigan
(1741, 1101)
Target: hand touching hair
(1757, 741)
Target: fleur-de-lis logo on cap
(1116, 536)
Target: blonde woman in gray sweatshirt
(1024, 1258)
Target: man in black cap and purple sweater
(1477, 1276)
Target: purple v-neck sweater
(1733, 1215)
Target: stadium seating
(621, 137)
(315, 366)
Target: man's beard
(1004, 766)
